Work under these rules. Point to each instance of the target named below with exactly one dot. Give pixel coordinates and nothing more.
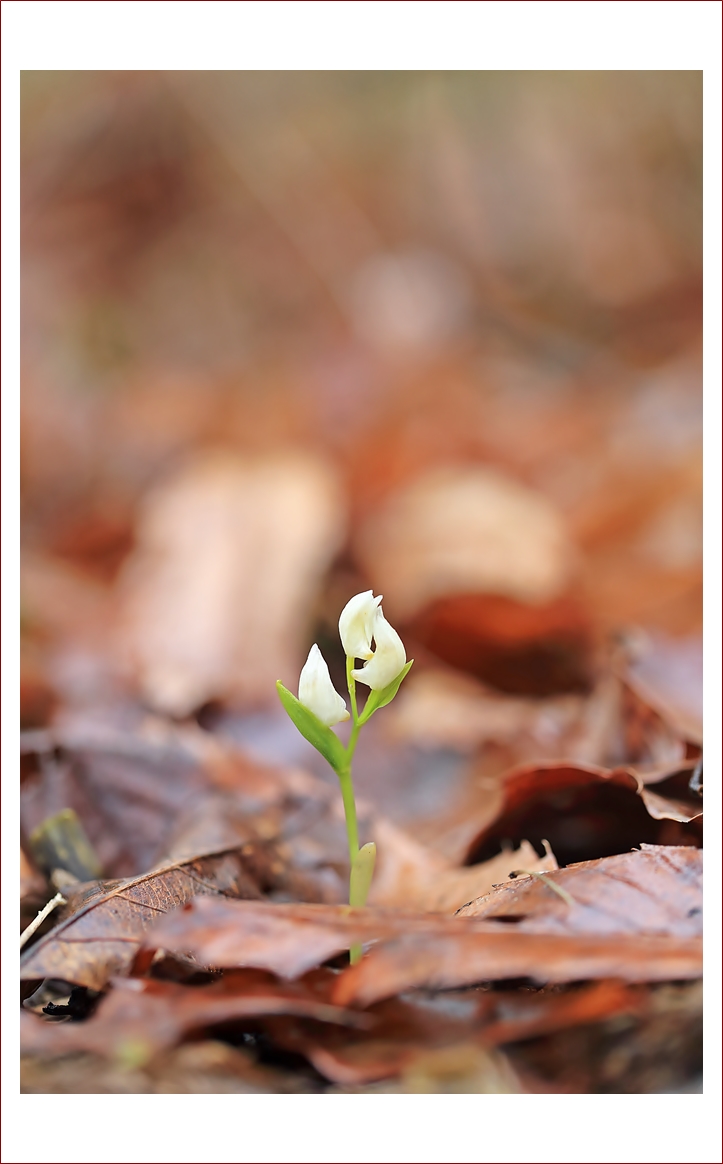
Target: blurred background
(286, 336)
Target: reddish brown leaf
(106, 925)
(413, 876)
(525, 650)
(286, 939)
(658, 890)
(444, 960)
(143, 1016)
(405, 1029)
(584, 811)
(414, 949)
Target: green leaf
(362, 872)
(313, 730)
(381, 698)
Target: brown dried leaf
(445, 960)
(584, 811)
(162, 792)
(286, 939)
(415, 950)
(658, 890)
(413, 876)
(465, 530)
(143, 1016)
(106, 923)
(407, 1028)
(218, 592)
(667, 674)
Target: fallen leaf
(106, 923)
(413, 876)
(162, 791)
(532, 650)
(127, 790)
(657, 890)
(414, 950)
(445, 960)
(461, 530)
(144, 1016)
(219, 589)
(405, 1029)
(667, 673)
(287, 939)
(584, 811)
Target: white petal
(317, 692)
(388, 659)
(356, 625)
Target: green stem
(347, 791)
(352, 831)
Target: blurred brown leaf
(526, 650)
(32, 883)
(667, 675)
(414, 876)
(461, 530)
(216, 595)
(405, 1029)
(144, 1016)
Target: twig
(566, 897)
(44, 912)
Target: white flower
(388, 658)
(356, 625)
(317, 692)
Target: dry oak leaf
(658, 890)
(147, 1016)
(107, 922)
(412, 949)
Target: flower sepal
(381, 698)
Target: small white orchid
(361, 623)
(317, 692)
(356, 625)
(388, 658)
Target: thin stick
(566, 897)
(47, 909)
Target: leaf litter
(242, 848)
(527, 496)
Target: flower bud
(356, 625)
(388, 659)
(317, 692)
